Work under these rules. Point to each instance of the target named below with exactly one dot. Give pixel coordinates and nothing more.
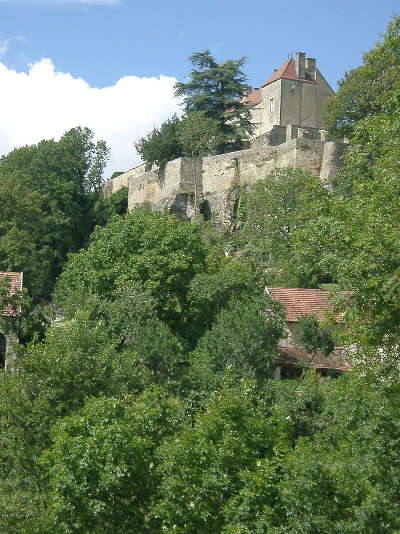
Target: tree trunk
(195, 185)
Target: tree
(154, 249)
(364, 91)
(105, 208)
(359, 237)
(201, 466)
(197, 136)
(242, 342)
(23, 228)
(46, 196)
(76, 361)
(214, 289)
(161, 144)
(314, 336)
(216, 89)
(278, 208)
(113, 488)
(24, 321)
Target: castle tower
(294, 94)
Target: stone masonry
(215, 181)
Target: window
(3, 350)
(271, 105)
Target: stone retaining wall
(211, 182)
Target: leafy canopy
(363, 92)
(161, 144)
(46, 194)
(216, 89)
(275, 211)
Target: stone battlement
(216, 179)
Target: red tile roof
(294, 355)
(253, 99)
(297, 302)
(16, 285)
(288, 72)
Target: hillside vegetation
(149, 406)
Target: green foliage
(201, 466)
(76, 361)
(161, 144)
(347, 474)
(358, 237)
(102, 467)
(156, 250)
(215, 89)
(105, 208)
(24, 321)
(198, 134)
(242, 341)
(364, 91)
(212, 290)
(278, 209)
(314, 336)
(46, 191)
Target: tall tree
(197, 136)
(276, 209)
(363, 92)
(216, 88)
(46, 196)
(161, 144)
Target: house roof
(16, 286)
(288, 72)
(293, 355)
(253, 99)
(297, 302)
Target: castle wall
(154, 187)
(245, 167)
(112, 186)
(214, 182)
(331, 161)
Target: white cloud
(5, 43)
(44, 103)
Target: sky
(111, 64)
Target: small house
(16, 281)
(297, 303)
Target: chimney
(300, 65)
(311, 70)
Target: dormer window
(271, 105)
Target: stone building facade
(297, 303)
(287, 112)
(16, 283)
(294, 94)
(216, 180)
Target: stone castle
(287, 111)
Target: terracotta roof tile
(288, 72)
(16, 284)
(293, 355)
(297, 302)
(253, 99)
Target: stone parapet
(213, 182)
(111, 186)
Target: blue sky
(101, 42)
